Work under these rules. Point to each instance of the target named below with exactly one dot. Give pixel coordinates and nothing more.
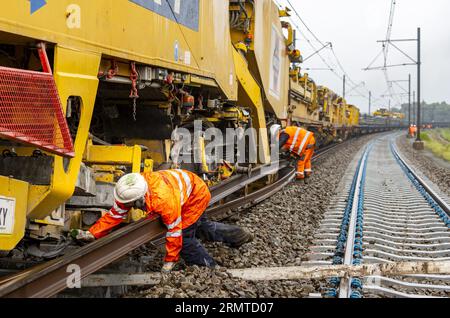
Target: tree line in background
(435, 112)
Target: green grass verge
(438, 148)
(445, 133)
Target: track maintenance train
(90, 90)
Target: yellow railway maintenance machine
(90, 90)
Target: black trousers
(194, 253)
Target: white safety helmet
(274, 129)
(130, 188)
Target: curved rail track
(386, 214)
(50, 278)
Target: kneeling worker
(180, 198)
(301, 144)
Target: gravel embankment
(437, 170)
(283, 227)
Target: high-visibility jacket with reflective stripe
(299, 139)
(179, 197)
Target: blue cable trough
(338, 258)
(357, 283)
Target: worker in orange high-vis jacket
(301, 144)
(180, 198)
(411, 131)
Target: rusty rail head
(50, 278)
(254, 198)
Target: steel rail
(239, 182)
(50, 278)
(47, 279)
(390, 233)
(345, 286)
(253, 198)
(387, 251)
(441, 202)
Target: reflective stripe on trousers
(174, 234)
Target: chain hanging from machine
(134, 88)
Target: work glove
(83, 236)
(137, 215)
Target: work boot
(241, 237)
(307, 178)
(232, 235)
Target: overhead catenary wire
(391, 89)
(374, 60)
(322, 43)
(385, 53)
(311, 44)
(386, 49)
(338, 62)
(389, 30)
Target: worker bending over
(301, 144)
(180, 198)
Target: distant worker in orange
(180, 198)
(411, 131)
(301, 144)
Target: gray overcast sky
(354, 26)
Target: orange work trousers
(304, 167)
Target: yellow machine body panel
(334, 107)
(353, 116)
(271, 56)
(13, 212)
(187, 36)
(304, 101)
(383, 112)
(250, 95)
(342, 114)
(144, 31)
